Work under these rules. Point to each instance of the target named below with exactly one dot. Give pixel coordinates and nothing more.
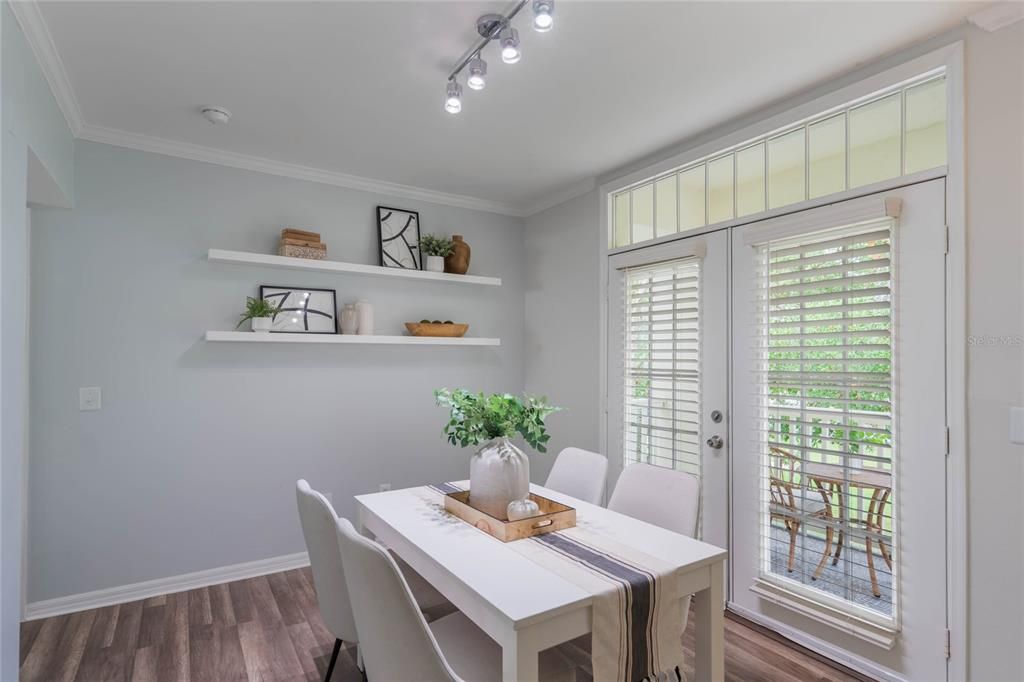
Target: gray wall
(562, 329)
(995, 381)
(32, 127)
(191, 463)
(995, 373)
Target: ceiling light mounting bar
(489, 26)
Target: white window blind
(825, 398)
(661, 371)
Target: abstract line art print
(399, 238)
(302, 310)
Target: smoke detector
(216, 115)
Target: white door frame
(951, 58)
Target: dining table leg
(520, 659)
(710, 622)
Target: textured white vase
(435, 263)
(262, 324)
(499, 473)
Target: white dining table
(521, 605)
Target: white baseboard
(152, 588)
(820, 646)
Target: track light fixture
(494, 27)
(542, 11)
(510, 53)
(453, 100)
(477, 73)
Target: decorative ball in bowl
(436, 328)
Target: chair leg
(794, 528)
(334, 659)
(871, 568)
(839, 547)
(825, 554)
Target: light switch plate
(89, 399)
(1017, 425)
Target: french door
(838, 428)
(667, 366)
(797, 366)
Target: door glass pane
(925, 130)
(691, 198)
(661, 365)
(827, 148)
(786, 161)
(720, 183)
(643, 213)
(875, 141)
(665, 206)
(621, 219)
(825, 395)
(750, 180)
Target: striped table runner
(638, 601)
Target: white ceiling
(357, 87)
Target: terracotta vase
(458, 262)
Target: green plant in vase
(499, 472)
(436, 249)
(261, 312)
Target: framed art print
(302, 310)
(399, 232)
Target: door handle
(715, 442)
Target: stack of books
(301, 244)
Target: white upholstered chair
(395, 639)
(579, 473)
(659, 496)
(319, 528)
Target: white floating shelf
(268, 260)
(267, 337)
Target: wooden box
(312, 253)
(553, 516)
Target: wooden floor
(268, 629)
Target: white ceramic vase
(349, 319)
(262, 324)
(499, 473)
(435, 263)
(364, 311)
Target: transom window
(895, 132)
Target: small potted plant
(499, 472)
(261, 312)
(436, 249)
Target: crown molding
(193, 152)
(38, 35)
(560, 197)
(33, 25)
(997, 15)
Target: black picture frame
(397, 246)
(273, 291)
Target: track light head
(453, 97)
(510, 53)
(542, 19)
(477, 73)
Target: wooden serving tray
(553, 516)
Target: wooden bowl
(431, 329)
